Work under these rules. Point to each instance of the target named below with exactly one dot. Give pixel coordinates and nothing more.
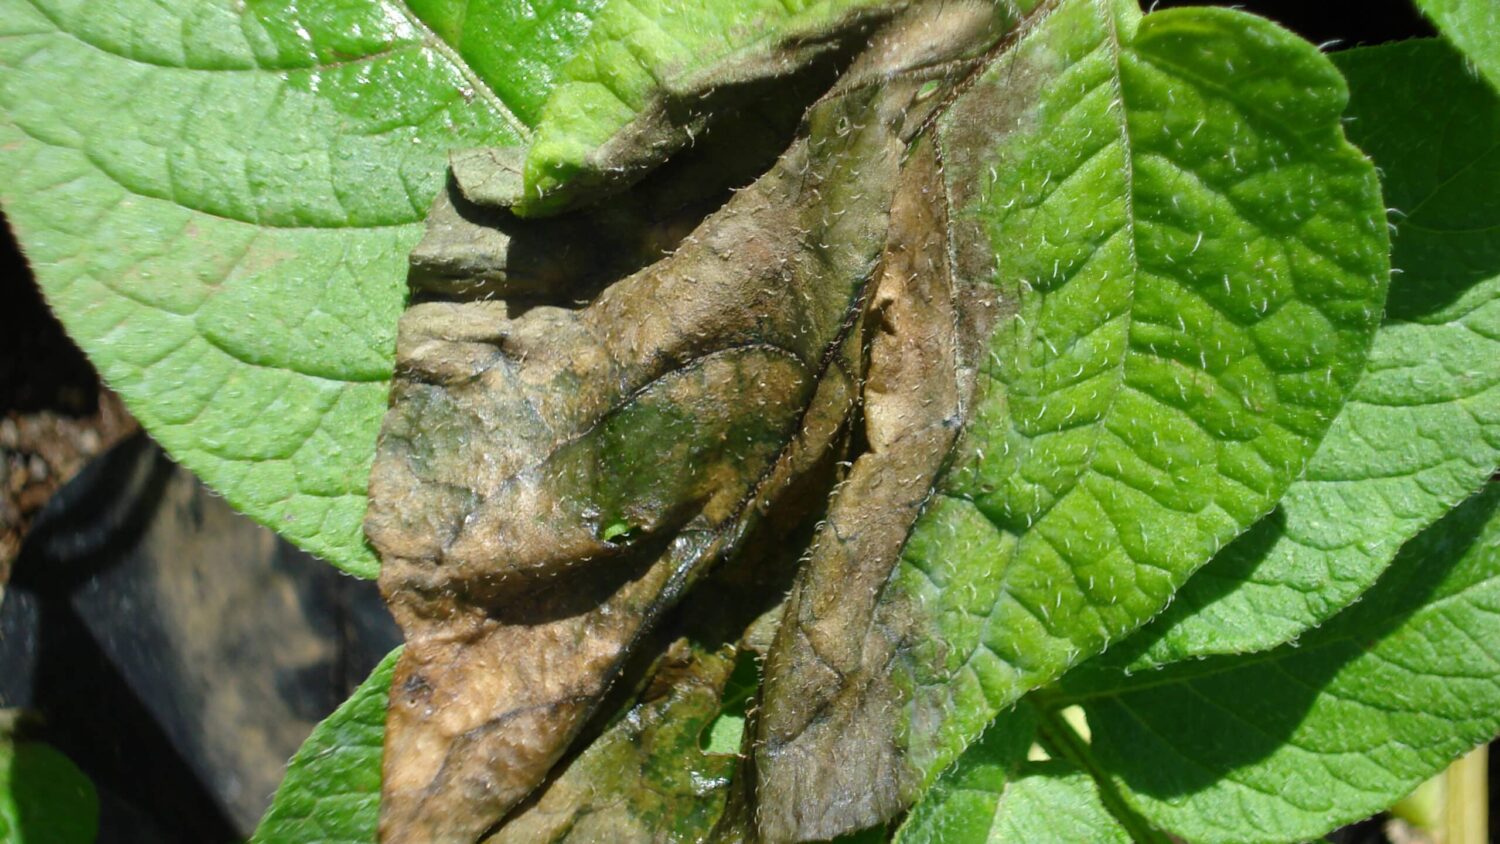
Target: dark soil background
(179, 653)
(176, 651)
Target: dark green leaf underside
(1290, 744)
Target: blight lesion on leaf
(963, 273)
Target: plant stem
(1466, 800)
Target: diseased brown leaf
(812, 719)
(628, 445)
(645, 778)
(550, 481)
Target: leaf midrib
(477, 82)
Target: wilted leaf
(1421, 432)
(645, 778)
(1189, 261)
(1288, 744)
(628, 445)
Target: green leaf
(1290, 743)
(1472, 26)
(643, 85)
(44, 798)
(217, 198)
(517, 48)
(968, 800)
(1421, 432)
(1045, 803)
(331, 793)
(1188, 262)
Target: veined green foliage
(1045, 328)
(1293, 742)
(1421, 432)
(1474, 27)
(517, 48)
(331, 793)
(1189, 261)
(1279, 746)
(218, 198)
(1041, 803)
(1287, 743)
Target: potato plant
(782, 420)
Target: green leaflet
(1474, 26)
(517, 48)
(44, 798)
(1421, 432)
(1043, 803)
(331, 793)
(1192, 298)
(966, 801)
(643, 84)
(1291, 743)
(218, 199)
(724, 733)
(998, 793)
(1191, 263)
(1428, 401)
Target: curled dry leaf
(549, 482)
(646, 772)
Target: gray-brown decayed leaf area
(597, 415)
(912, 413)
(550, 480)
(645, 777)
(650, 774)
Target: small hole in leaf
(724, 732)
(619, 532)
